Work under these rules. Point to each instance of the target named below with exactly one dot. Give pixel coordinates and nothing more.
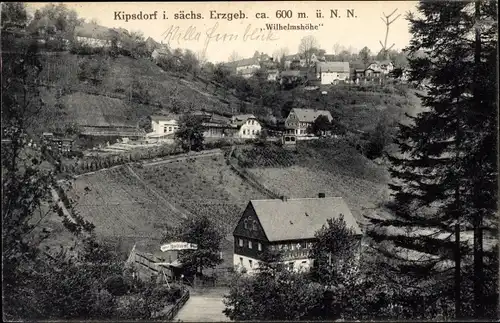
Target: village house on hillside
(332, 72)
(163, 126)
(94, 35)
(382, 67)
(248, 66)
(297, 61)
(245, 126)
(159, 52)
(248, 126)
(58, 142)
(299, 120)
(287, 225)
(152, 44)
(244, 67)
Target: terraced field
(333, 168)
(128, 205)
(120, 205)
(203, 186)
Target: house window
(241, 261)
(241, 242)
(259, 246)
(164, 129)
(254, 225)
(250, 263)
(290, 266)
(249, 244)
(253, 132)
(169, 129)
(244, 132)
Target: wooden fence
(171, 313)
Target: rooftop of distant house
(165, 117)
(300, 218)
(334, 67)
(310, 115)
(242, 118)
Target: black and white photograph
(220, 161)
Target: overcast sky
(219, 38)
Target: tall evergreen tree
(446, 172)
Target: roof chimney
(321, 195)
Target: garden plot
(120, 205)
(205, 185)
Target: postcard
(250, 161)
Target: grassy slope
(359, 107)
(125, 211)
(203, 186)
(61, 70)
(334, 168)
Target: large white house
(288, 226)
(299, 120)
(248, 126)
(163, 125)
(332, 72)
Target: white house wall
(93, 42)
(250, 129)
(241, 69)
(251, 264)
(166, 127)
(331, 77)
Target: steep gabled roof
(295, 219)
(309, 115)
(89, 30)
(243, 62)
(242, 118)
(329, 57)
(165, 117)
(332, 67)
(152, 44)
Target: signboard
(179, 246)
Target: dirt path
(60, 204)
(203, 306)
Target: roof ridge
(299, 198)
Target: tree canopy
(202, 232)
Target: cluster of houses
(285, 225)
(93, 35)
(243, 126)
(58, 142)
(322, 70)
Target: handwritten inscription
(213, 34)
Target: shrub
(116, 285)
(378, 139)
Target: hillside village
(179, 176)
